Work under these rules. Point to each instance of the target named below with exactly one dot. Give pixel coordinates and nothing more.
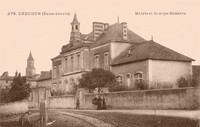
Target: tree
(19, 88)
(97, 78)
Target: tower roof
(30, 57)
(75, 21)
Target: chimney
(124, 30)
(98, 28)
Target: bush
(118, 87)
(141, 85)
(161, 85)
(182, 82)
(137, 86)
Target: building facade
(118, 49)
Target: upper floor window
(119, 79)
(72, 63)
(66, 64)
(54, 71)
(138, 76)
(106, 59)
(96, 61)
(59, 71)
(78, 61)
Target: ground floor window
(138, 77)
(119, 79)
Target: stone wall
(185, 98)
(14, 107)
(67, 101)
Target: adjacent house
(196, 74)
(118, 49)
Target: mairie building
(116, 48)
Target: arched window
(138, 76)
(119, 79)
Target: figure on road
(24, 120)
(77, 104)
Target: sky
(44, 35)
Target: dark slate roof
(30, 56)
(45, 75)
(148, 50)
(114, 32)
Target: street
(106, 118)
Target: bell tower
(75, 36)
(30, 69)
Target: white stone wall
(117, 48)
(169, 71)
(62, 102)
(14, 107)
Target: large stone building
(118, 49)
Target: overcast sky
(45, 35)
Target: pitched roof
(114, 32)
(30, 56)
(148, 50)
(45, 75)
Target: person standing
(104, 103)
(77, 104)
(99, 103)
(24, 119)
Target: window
(66, 65)
(78, 61)
(138, 77)
(54, 72)
(128, 79)
(119, 79)
(106, 59)
(76, 27)
(96, 61)
(59, 71)
(72, 63)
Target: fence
(14, 107)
